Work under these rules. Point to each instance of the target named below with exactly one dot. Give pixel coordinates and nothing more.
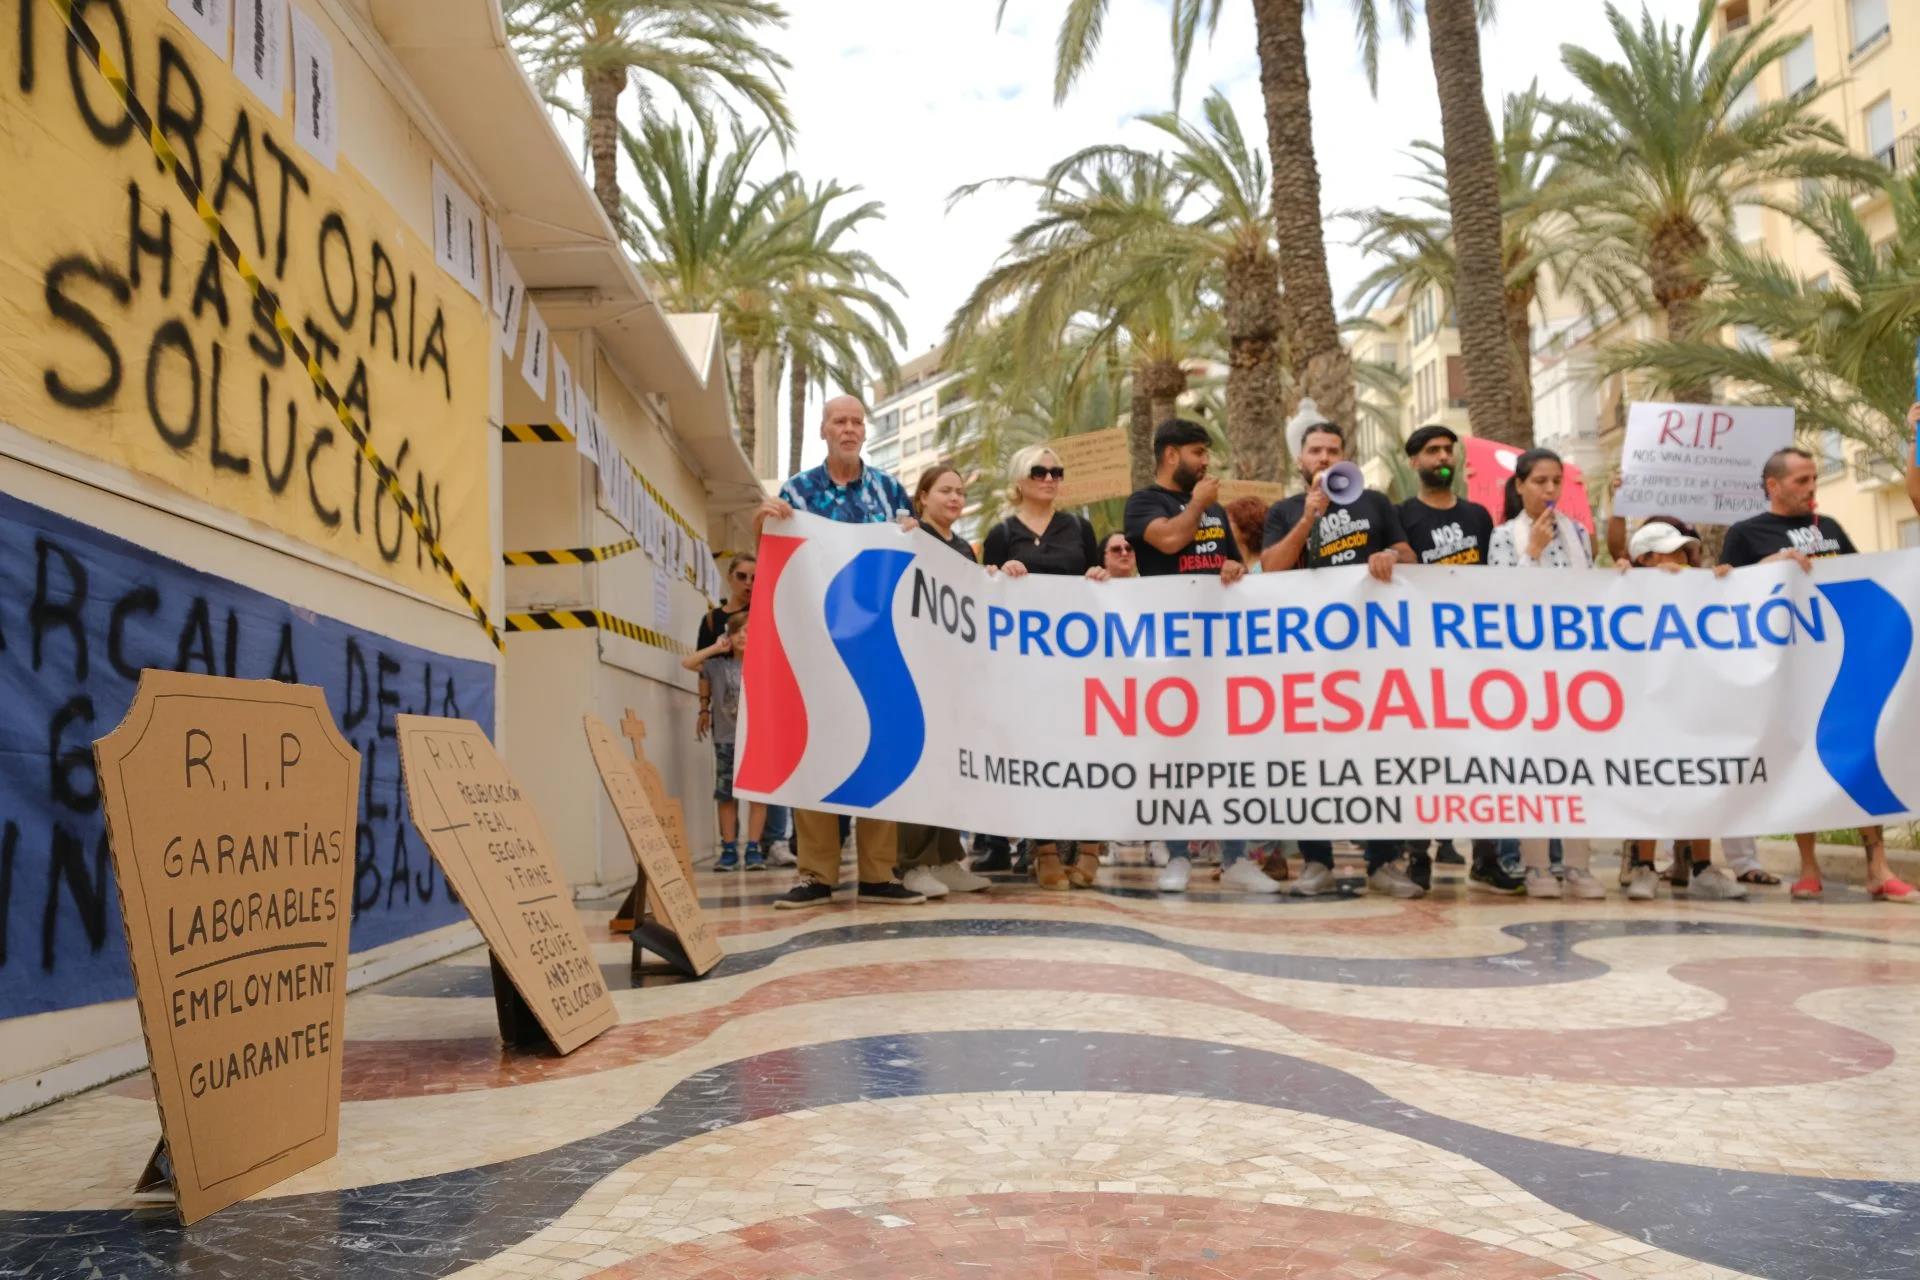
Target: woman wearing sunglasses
(1038, 539)
(1116, 556)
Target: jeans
(779, 824)
(1231, 851)
(1379, 852)
(1510, 855)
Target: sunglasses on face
(1120, 549)
(1046, 473)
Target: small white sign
(316, 116)
(563, 395)
(513, 293)
(206, 19)
(1699, 462)
(458, 233)
(662, 598)
(534, 361)
(496, 255)
(260, 49)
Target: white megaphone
(1343, 482)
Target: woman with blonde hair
(1038, 539)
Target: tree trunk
(603, 138)
(1140, 426)
(1322, 366)
(797, 410)
(1160, 383)
(1673, 269)
(746, 402)
(1255, 387)
(1473, 200)
(1519, 303)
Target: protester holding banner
(844, 489)
(1116, 556)
(713, 625)
(1791, 529)
(1444, 528)
(719, 668)
(1037, 539)
(932, 857)
(1309, 531)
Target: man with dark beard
(1443, 528)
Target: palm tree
(1664, 152)
(1839, 351)
(1418, 250)
(1471, 174)
(699, 51)
(833, 320)
(712, 239)
(1310, 328)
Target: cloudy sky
(912, 98)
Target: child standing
(719, 668)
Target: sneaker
(1314, 879)
(1582, 883)
(1391, 880)
(922, 881)
(756, 857)
(729, 859)
(780, 854)
(1174, 878)
(1448, 856)
(1420, 870)
(808, 893)
(1643, 883)
(998, 856)
(1157, 853)
(956, 877)
(1715, 885)
(1488, 874)
(1246, 875)
(889, 893)
(1541, 883)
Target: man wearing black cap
(1443, 528)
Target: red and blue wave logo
(858, 611)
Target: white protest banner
(889, 677)
(1700, 462)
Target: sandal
(1757, 876)
(1807, 889)
(1894, 889)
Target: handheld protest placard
(679, 930)
(485, 835)
(231, 808)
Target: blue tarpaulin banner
(81, 612)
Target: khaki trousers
(817, 846)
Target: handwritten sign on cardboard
(231, 808)
(1098, 466)
(486, 836)
(670, 893)
(1700, 462)
(673, 818)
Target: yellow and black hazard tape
(592, 620)
(573, 555)
(535, 433)
(265, 298)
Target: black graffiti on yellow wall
(73, 641)
(212, 378)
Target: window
(1868, 19)
(1738, 16)
(1797, 68)
(1743, 105)
(1909, 532)
(1749, 223)
(1820, 283)
(1811, 192)
(926, 407)
(1748, 338)
(885, 456)
(1456, 382)
(1879, 121)
(1833, 452)
(910, 414)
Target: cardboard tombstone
(487, 838)
(678, 930)
(231, 807)
(673, 818)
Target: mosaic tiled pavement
(1104, 1084)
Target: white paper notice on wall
(506, 328)
(563, 394)
(316, 116)
(260, 49)
(206, 19)
(496, 254)
(457, 233)
(662, 598)
(534, 361)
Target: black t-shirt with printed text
(1347, 535)
(1211, 547)
(1752, 540)
(714, 625)
(1458, 535)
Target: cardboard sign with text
(485, 835)
(1700, 462)
(1098, 466)
(673, 818)
(1268, 491)
(231, 810)
(669, 892)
